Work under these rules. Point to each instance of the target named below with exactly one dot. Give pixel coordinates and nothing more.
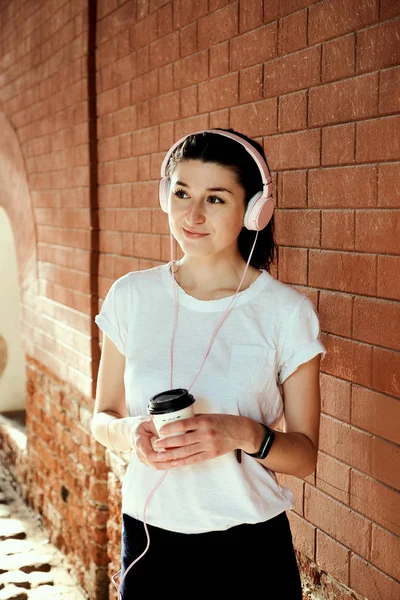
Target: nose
(194, 213)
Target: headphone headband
(258, 159)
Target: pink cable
(118, 587)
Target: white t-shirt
(270, 330)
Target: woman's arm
(294, 451)
(110, 394)
(111, 426)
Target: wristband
(265, 444)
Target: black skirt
(258, 557)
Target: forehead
(205, 173)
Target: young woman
(247, 347)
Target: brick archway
(13, 185)
(18, 267)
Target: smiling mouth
(193, 234)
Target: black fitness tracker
(265, 444)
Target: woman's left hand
(206, 436)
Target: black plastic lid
(170, 401)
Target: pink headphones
(260, 207)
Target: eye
(215, 200)
(180, 193)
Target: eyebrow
(213, 189)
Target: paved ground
(30, 567)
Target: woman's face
(207, 206)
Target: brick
(335, 313)
(191, 70)
(293, 72)
(189, 101)
(292, 34)
(258, 118)
(338, 144)
(218, 93)
(165, 78)
(292, 265)
(250, 84)
(298, 228)
(385, 135)
(378, 47)
(389, 185)
(186, 12)
(164, 22)
(166, 136)
(389, 8)
(145, 195)
(388, 281)
(107, 102)
(125, 170)
(303, 534)
(332, 557)
(188, 125)
(164, 50)
(346, 443)
(333, 19)
(342, 271)
(252, 48)
(219, 60)
(341, 101)
(143, 33)
(292, 189)
(348, 360)
(343, 187)
(386, 366)
(338, 58)
(144, 87)
(389, 101)
(385, 552)
(188, 39)
(293, 150)
(250, 14)
(108, 149)
(219, 118)
(144, 141)
(275, 9)
(218, 26)
(335, 397)
(371, 582)
(124, 121)
(373, 322)
(333, 477)
(340, 522)
(296, 485)
(293, 111)
(376, 413)
(385, 460)
(164, 108)
(378, 231)
(338, 229)
(376, 501)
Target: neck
(211, 273)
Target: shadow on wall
(12, 359)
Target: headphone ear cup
(259, 212)
(164, 193)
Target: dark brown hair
(224, 151)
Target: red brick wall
(317, 84)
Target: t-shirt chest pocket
(251, 367)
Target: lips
(193, 234)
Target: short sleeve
(302, 340)
(113, 317)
